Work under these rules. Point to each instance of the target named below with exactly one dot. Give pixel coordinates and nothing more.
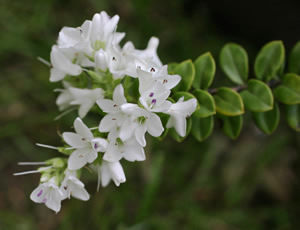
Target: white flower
(85, 144)
(116, 119)
(65, 97)
(102, 30)
(62, 64)
(155, 98)
(155, 75)
(72, 186)
(144, 121)
(130, 150)
(179, 111)
(48, 193)
(108, 171)
(85, 98)
(77, 38)
(118, 62)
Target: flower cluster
(129, 88)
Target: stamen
(115, 105)
(31, 163)
(32, 171)
(42, 60)
(165, 81)
(93, 128)
(151, 94)
(64, 113)
(83, 139)
(152, 70)
(153, 101)
(47, 146)
(114, 59)
(96, 146)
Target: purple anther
(153, 101)
(40, 193)
(96, 146)
(151, 94)
(44, 201)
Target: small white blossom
(179, 112)
(85, 144)
(144, 121)
(108, 171)
(48, 193)
(72, 186)
(85, 98)
(62, 64)
(65, 97)
(117, 149)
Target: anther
(152, 70)
(151, 94)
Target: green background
(220, 184)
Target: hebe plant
(133, 93)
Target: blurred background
(219, 184)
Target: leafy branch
(260, 95)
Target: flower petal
(82, 129)
(154, 125)
(113, 153)
(79, 158)
(107, 123)
(118, 95)
(106, 105)
(75, 140)
(140, 134)
(135, 153)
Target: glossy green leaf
(267, 121)
(234, 63)
(293, 116)
(258, 96)
(294, 59)
(206, 102)
(289, 91)
(176, 96)
(269, 61)
(205, 69)
(171, 67)
(202, 127)
(232, 126)
(228, 102)
(186, 70)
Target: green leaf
(289, 91)
(171, 67)
(294, 59)
(293, 116)
(176, 96)
(228, 102)
(267, 121)
(202, 127)
(269, 61)
(234, 63)
(232, 126)
(206, 102)
(186, 70)
(258, 96)
(205, 69)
